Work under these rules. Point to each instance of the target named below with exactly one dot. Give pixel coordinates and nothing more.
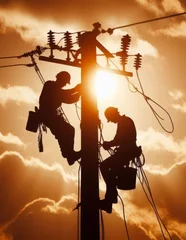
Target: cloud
(40, 203)
(11, 139)
(176, 94)
(145, 48)
(31, 31)
(180, 107)
(172, 6)
(22, 183)
(35, 223)
(156, 141)
(17, 94)
(160, 7)
(176, 30)
(150, 6)
(55, 221)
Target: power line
(17, 65)
(9, 57)
(147, 21)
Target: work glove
(106, 145)
(77, 88)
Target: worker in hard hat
(125, 141)
(51, 98)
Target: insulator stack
(125, 44)
(78, 38)
(51, 39)
(68, 41)
(137, 61)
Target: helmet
(111, 112)
(64, 76)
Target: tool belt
(33, 124)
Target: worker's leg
(65, 138)
(109, 175)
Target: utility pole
(89, 229)
(89, 141)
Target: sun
(104, 85)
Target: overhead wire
(143, 179)
(102, 225)
(9, 57)
(124, 217)
(149, 20)
(157, 116)
(16, 65)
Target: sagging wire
(157, 116)
(143, 179)
(124, 217)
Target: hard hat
(110, 112)
(63, 75)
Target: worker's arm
(70, 95)
(107, 145)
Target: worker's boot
(105, 205)
(73, 156)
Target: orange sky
(39, 190)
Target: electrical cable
(70, 33)
(124, 218)
(79, 200)
(147, 21)
(155, 210)
(16, 65)
(102, 225)
(157, 116)
(9, 57)
(143, 179)
(154, 112)
(77, 113)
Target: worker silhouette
(126, 150)
(51, 98)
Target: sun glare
(105, 85)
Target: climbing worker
(51, 98)
(126, 150)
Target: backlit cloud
(160, 7)
(180, 107)
(11, 139)
(31, 31)
(150, 5)
(154, 140)
(17, 94)
(176, 30)
(172, 6)
(25, 183)
(176, 94)
(145, 48)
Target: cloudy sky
(39, 190)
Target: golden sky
(39, 190)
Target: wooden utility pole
(89, 141)
(89, 221)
